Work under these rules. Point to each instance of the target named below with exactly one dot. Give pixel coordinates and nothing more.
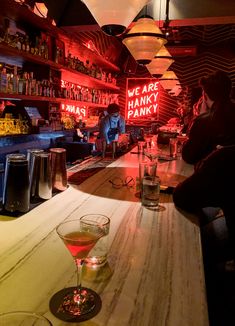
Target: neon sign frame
(80, 111)
(142, 98)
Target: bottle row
(24, 83)
(89, 69)
(84, 94)
(47, 47)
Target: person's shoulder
(225, 154)
(201, 119)
(232, 103)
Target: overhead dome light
(144, 40)
(169, 80)
(160, 63)
(114, 16)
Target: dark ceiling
(69, 13)
(73, 15)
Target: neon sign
(74, 109)
(142, 101)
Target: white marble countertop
(155, 273)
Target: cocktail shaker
(16, 190)
(44, 190)
(34, 170)
(59, 173)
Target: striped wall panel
(215, 51)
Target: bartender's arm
(122, 125)
(104, 128)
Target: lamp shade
(176, 90)
(144, 40)
(169, 80)
(114, 16)
(160, 63)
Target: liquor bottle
(57, 56)
(36, 46)
(27, 44)
(26, 83)
(23, 44)
(18, 42)
(20, 84)
(32, 84)
(46, 51)
(3, 80)
(15, 80)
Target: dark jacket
(212, 183)
(216, 127)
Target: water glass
(23, 318)
(97, 257)
(173, 147)
(150, 191)
(141, 147)
(147, 168)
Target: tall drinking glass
(152, 150)
(75, 303)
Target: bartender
(110, 127)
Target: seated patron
(217, 125)
(211, 185)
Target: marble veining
(154, 275)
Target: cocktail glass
(77, 301)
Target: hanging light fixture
(176, 90)
(169, 80)
(114, 16)
(160, 63)
(144, 40)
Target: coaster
(58, 298)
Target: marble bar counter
(154, 275)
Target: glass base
(65, 308)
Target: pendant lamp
(114, 16)
(144, 40)
(176, 90)
(160, 63)
(169, 80)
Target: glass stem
(79, 264)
